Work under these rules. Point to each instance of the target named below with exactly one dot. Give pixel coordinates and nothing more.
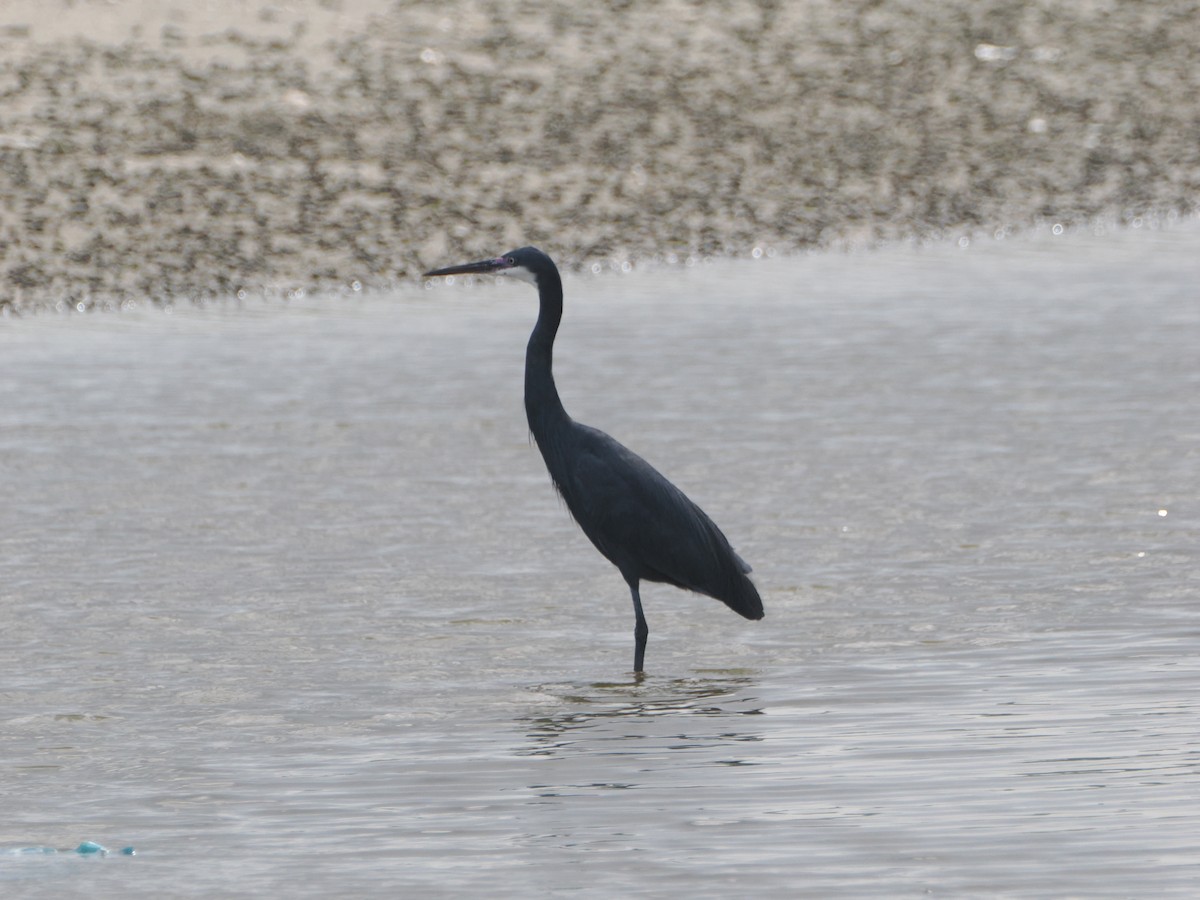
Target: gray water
(290, 607)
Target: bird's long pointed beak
(483, 267)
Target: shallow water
(291, 608)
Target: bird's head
(527, 263)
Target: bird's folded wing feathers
(630, 504)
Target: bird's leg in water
(641, 630)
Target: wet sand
(164, 151)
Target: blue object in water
(87, 848)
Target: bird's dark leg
(641, 630)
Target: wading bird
(643, 524)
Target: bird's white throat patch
(519, 272)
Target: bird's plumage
(635, 517)
(642, 523)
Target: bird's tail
(743, 598)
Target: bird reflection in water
(711, 715)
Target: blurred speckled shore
(166, 150)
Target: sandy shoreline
(153, 151)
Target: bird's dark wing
(648, 527)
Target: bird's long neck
(543, 407)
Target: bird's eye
(510, 260)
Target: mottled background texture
(169, 150)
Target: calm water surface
(289, 605)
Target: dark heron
(643, 524)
